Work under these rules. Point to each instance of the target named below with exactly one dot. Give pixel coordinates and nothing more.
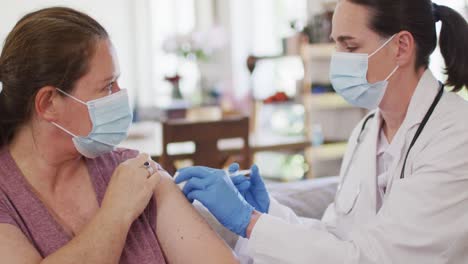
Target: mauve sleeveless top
(20, 207)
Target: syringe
(245, 173)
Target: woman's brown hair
(419, 17)
(49, 47)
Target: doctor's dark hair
(49, 47)
(419, 17)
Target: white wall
(117, 16)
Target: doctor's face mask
(348, 75)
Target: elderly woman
(66, 194)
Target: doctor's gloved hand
(252, 189)
(215, 190)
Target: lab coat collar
(423, 97)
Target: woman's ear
(46, 103)
(406, 53)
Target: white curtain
(157, 20)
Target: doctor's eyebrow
(111, 78)
(342, 38)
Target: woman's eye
(351, 49)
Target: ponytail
(453, 46)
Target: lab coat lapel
(356, 199)
(367, 160)
(423, 97)
(361, 180)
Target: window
(257, 28)
(158, 20)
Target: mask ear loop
(379, 49)
(383, 46)
(71, 96)
(74, 98)
(393, 72)
(64, 129)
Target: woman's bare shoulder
(184, 234)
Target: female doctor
(403, 196)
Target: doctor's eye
(351, 49)
(109, 87)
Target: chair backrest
(206, 135)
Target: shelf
(326, 101)
(318, 51)
(332, 151)
(147, 138)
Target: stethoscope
(413, 142)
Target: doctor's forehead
(350, 20)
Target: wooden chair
(205, 135)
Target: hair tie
(436, 12)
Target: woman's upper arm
(15, 248)
(184, 235)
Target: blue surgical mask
(348, 75)
(111, 117)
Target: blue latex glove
(252, 189)
(242, 183)
(215, 190)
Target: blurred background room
(217, 81)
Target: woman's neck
(395, 104)
(42, 158)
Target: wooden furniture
(146, 137)
(205, 135)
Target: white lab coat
(424, 217)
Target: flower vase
(175, 82)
